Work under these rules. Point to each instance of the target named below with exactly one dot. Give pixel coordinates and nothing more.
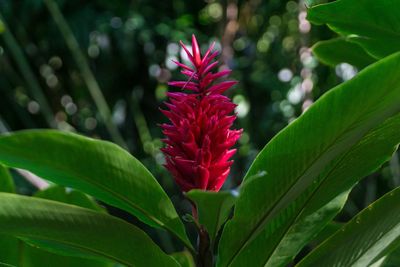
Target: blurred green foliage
(129, 46)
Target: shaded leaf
(184, 258)
(213, 208)
(328, 230)
(61, 194)
(393, 259)
(98, 168)
(6, 180)
(36, 257)
(338, 50)
(365, 238)
(79, 229)
(8, 244)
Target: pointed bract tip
(196, 51)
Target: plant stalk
(205, 256)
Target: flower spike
(199, 137)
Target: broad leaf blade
(359, 22)
(213, 208)
(37, 256)
(364, 158)
(34, 257)
(339, 50)
(310, 3)
(184, 258)
(61, 194)
(9, 245)
(79, 229)
(283, 210)
(393, 259)
(364, 239)
(95, 167)
(6, 180)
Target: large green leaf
(311, 165)
(213, 208)
(6, 180)
(33, 256)
(61, 194)
(339, 50)
(375, 25)
(79, 229)
(184, 258)
(393, 259)
(310, 3)
(9, 246)
(366, 238)
(328, 230)
(95, 167)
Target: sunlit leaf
(310, 167)
(358, 21)
(98, 168)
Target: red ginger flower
(199, 139)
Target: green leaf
(61, 194)
(184, 258)
(213, 208)
(16, 252)
(9, 250)
(328, 230)
(8, 244)
(310, 166)
(33, 256)
(310, 3)
(79, 229)
(366, 238)
(95, 167)
(6, 180)
(339, 50)
(393, 259)
(358, 21)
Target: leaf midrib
(118, 196)
(396, 226)
(265, 217)
(76, 246)
(308, 201)
(312, 195)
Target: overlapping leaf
(95, 167)
(366, 238)
(339, 50)
(374, 25)
(8, 244)
(79, 230)
(213, 208)
(311, 165)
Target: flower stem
(204, 253)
